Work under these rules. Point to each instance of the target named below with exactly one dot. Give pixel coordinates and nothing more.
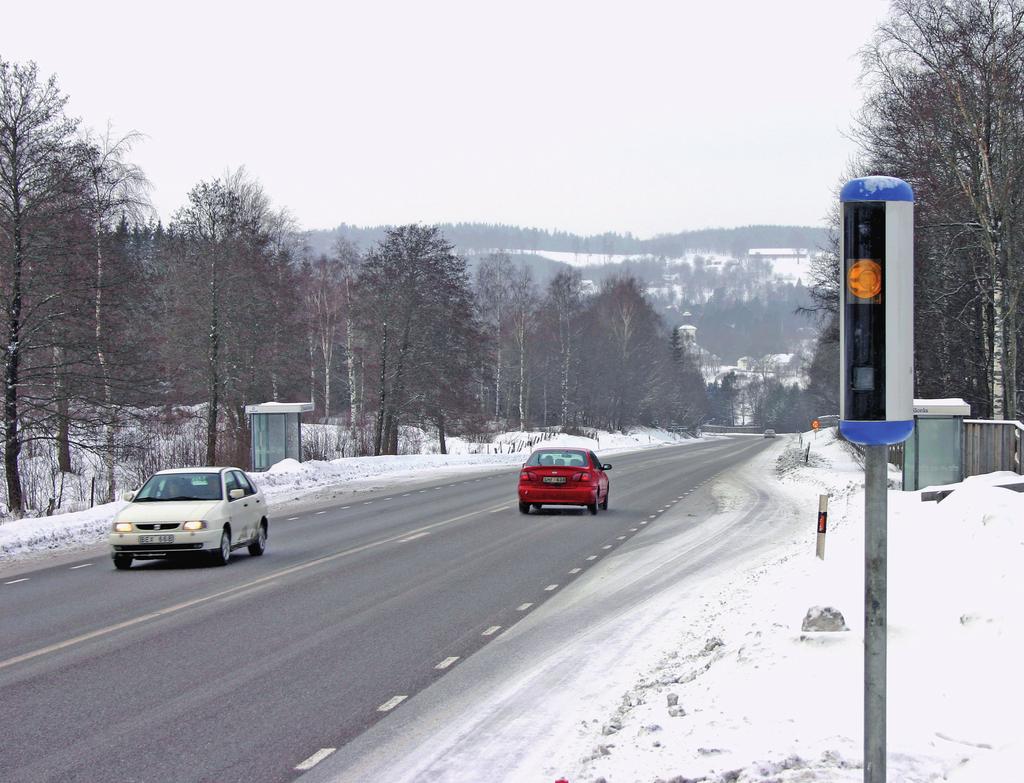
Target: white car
(190, 510)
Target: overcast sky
(588, 116)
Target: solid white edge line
(491, 631)
(84, 565)
(523, 607)
(447, 662)
(391, 703)
(315, 759)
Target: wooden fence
(992, 445)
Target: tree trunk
(63, 413)
(110, 424)
(440, 432)
(213, 378)
(378, 438)
(12, 439)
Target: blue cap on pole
(876, 189)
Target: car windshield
(180, 486)
(558, 458)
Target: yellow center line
(106, 631)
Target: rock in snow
(824, 618)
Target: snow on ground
(711, 678)
(743, 694)
(289, 481)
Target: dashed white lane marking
(632, 530)
(292, 519)
(643, 521)
(592, 557)
(15, 581)
(422, 490)
(475, 480)
(84, 565)
(575, 570)
(321, 512)
(523, 607)
(344, 507)
(387, 498)
(413, 538)
(447, 662)
(440, 487)
(406, 495)
(391, 703)
(680, 497)
(607, 546)
(367, 502)
(315, 759)
(549, 588)
(621, 538)
(652, 516)
(491, 631)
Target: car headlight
(122, 527)
(194, 524)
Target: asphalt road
(185, 672)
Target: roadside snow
(755, 698)
(671, 663)
(290, 480)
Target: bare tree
(117, 190)
(36, 138)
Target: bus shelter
(933, 454)
(276, 430)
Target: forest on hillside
(468, 237)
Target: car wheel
(223, 553)
(604, 503)
(122, 562)
(259, 544)
(592, 508)
(524, 508)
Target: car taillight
(526, 476)
(581, 477)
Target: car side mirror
(128, 497)
(606, 467)
(236, 494)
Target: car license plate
(156, 539)
(554, 479)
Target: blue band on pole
(876, 189)
(876, 433)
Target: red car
(563, 477)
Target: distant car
(563, 477)
(208, 511)
(769, 433)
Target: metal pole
(875, 519)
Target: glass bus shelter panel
(270, 439)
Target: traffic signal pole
(875, 587)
